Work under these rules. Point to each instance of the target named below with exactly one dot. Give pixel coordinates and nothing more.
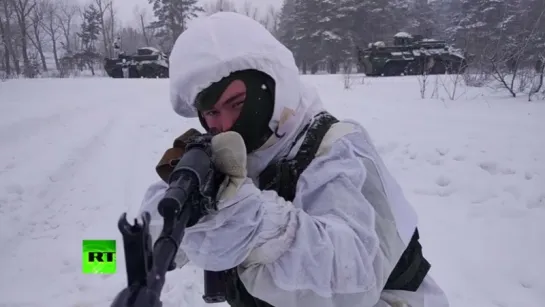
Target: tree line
(58, 37)
(62, 35)
(38, 35)
(322, 32)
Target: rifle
(193, 185)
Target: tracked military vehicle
(411, 55)
(148, 62)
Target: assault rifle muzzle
(193, 185)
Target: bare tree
(348, 78)
(272, 20)
(423, 82)
(219, 6)
(111, 27)
(51, 26)
(4, 54)
(250, 10)
(66, 17)
(36, 35)
(141, 17)
(7, 35)
(451, 84)
(23, 9)
(103, 6)
(143, 20)
(506, 70)
(540, 71)
(509, 62)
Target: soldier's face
(223, 115)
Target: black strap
(283, 175)
(411, 269)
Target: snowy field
(76, 153)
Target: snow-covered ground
(76, 153)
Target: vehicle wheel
(392, 69)
(439, 68)
(163, 73)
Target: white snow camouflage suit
(333, 246)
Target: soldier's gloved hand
(246, 218)
(229, 157)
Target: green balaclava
(253, 121)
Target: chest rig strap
(283, 175)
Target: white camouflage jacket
(335, 244)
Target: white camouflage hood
(215, 46)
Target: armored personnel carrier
(148, 62)
(411, 55)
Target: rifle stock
(193, 186)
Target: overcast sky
(125, 8)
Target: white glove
(229, 157)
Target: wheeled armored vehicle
(411, 55)
(148, 62)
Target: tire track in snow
(26, 167)
(34, 126)
(44, 201)
(37, 250)
(36, 141)
(125, 158)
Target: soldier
(117, 47)
(309, 215)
